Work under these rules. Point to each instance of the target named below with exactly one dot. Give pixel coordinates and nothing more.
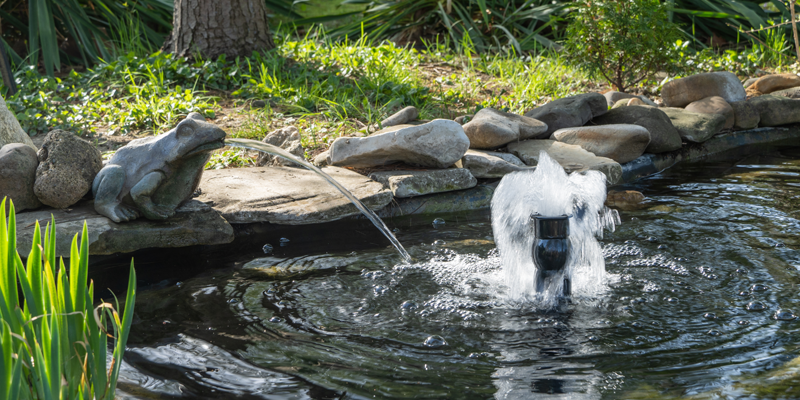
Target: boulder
(613, 97)
(745, 115)
(713, 105)
(749, 82)
(194, 224)
(403, 116)
(287, 138)
(569, 112)
(463, 119)
(437, 144)
(287, 196)
(17, 174)
(10, 129)
(771, 83)
(415, 183)
(680, 92)
(636, 102)
(490, 128)
(621, 143)
(695, 127)
(663, 136)
(793, 93)
(573, 158)
(620, 103)
(491, 164)
(776, 110)
(67, 167)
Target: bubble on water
(651, 239)
(672, 300)
(741, 271)
(396, 230)
(710, 315)
(408, 305)
(267, 248)
(593, 338)
(638, 300)
(233, 301)
(284, 242)
(637, 325)
(379, 290)
(438, 222)
(435, 341)
(276, 319)
(784, 315)
(756, 306)
(758, 288)
(744, 322)
(662, 247)
(743, 293)
(714, 332)
(439, 242)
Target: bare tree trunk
(214, 27)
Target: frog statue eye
(185, 128)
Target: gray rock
(415, 183)
(793, 93)
(463, 119)
(17, 174)
(491, 164)
(10, 129)
(613, 97)
(490, 128)
(749, 82)
(67, 167)
(287, 138)
(438, 144)
(620, 103)
(322, 159)
(776, 110)
(287, 196)
(569, 112)
(571, 157)
(745, 115)
(403, 116)
(194, 224)
(713, 105)
(695, 127)
(680, 92)
(621, 143)
(663, 136)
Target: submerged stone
(416, 183)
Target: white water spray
(550, 192)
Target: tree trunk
(214, 27)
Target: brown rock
(624, 200)
(680, 92)
(663, 135)
(621, 142)
(745, 115)
(713, 105)
(17, 174)
(771, 83)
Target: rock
(771, 83)
(10, 129)
(749, 82)
(17, 174)
(463, 119)
(614, 96)
(490, 128)
(287, 138)
(680, 92)
(322, 159)
(713, 105)
(569, 112)
(258, 104)
(621, 143)
(648, 101)
(663, 136)
(793, 93)
(67, 167)
(194, 224)
(437, 144)
(403, 116)
(624, 200)
(415, 183)
(695, 127)
(491, 164)
(573, 158)
(287, 196)
(620, 103)
(776, 110)
(745, 115)
(636, 102)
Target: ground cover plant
(53, 339)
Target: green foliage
(54, 343)
(625, 42)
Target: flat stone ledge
(193, 224)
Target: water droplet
(267, 248)
(438, 222)
(672, 300)
(714, 332)
(784, 315)
(408, 305)
(710, 315)
(593, 338)
(439, 242)
(179, 284)
(276, 319)
(758, 288)
(756, 306)
(743, 322)
(435, 341)
(743, 293)
(662, 247)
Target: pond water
(702, 282)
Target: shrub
(625, 42)
(53, 344)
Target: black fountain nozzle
(551, 248)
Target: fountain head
(550, 249)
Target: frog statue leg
(106, 188)
(142, 194)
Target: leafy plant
(625, 42)
(54, 343)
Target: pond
(702, 282)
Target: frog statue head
(151, 177)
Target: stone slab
(194, 224)
(491, 164)
(416, 183)
(289, 196)
(572, 158)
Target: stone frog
(153, 176)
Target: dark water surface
(701, 278)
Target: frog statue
(153, 176)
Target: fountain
(546, 225)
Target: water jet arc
(279, 152)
